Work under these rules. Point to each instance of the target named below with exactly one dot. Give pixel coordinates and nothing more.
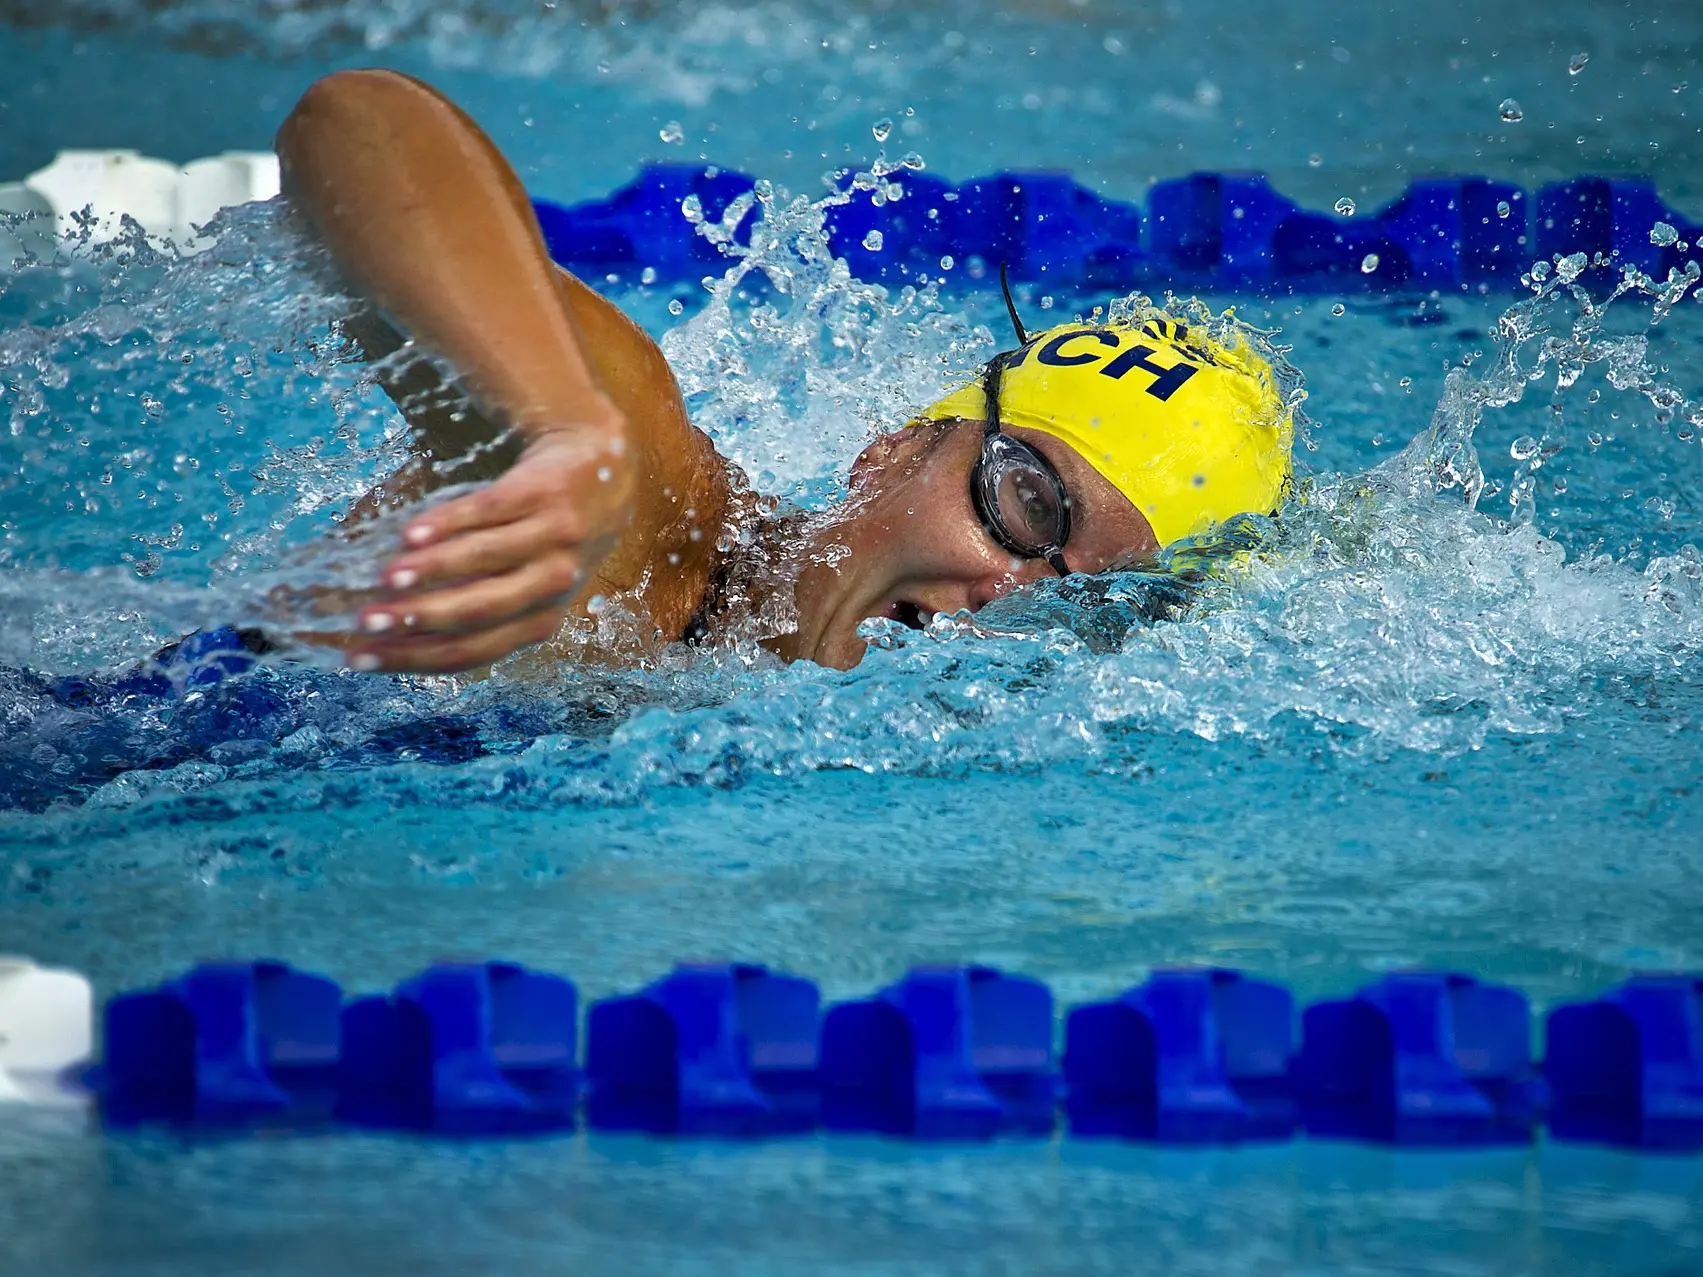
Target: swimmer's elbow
(346, 107)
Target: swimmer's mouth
(908, 614)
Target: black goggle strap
(1011, 306)
(991, 376)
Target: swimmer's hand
(497, 570)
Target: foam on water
(185, 433)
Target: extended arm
(427, 222)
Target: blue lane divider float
(725, 1049)
(224, 1042)
(464, 1048)
(1420, 1058)
(1207, 231)
(1627, 1068)
(1190, 1056)
(947, 1052)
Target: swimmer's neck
(768, 582)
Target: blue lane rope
(1191, 1056)
(1205, 232)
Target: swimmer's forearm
(424, 217)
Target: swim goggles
(1017, 494)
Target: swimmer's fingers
(480, 603)
(481, 552)
(452, 653)
(576, 486)
(492, 506)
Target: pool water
(1452, 715)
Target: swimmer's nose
(996, 585)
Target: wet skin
(612, 492)
(917, 547)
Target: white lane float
(46, 1033)
(168, 201)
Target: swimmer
(1084, 446)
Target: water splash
(182, 435)
(793, 364)
(1384, 611)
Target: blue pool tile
(1611, 216)
(947, 1052)
(727, 1049)
(1310, 251)
(1217, 228)
(1420, 1058)
(916, 230)
(1627, 1068)
(1189, 1056)
(643, 223)
(464, 1048)
(1206, 230)
(1068, 234)
(224, 1042)
(1454, 234)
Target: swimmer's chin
(844, 651)
(838, 651)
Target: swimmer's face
(917, 547)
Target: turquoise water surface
(1452, 717)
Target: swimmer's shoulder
(685, 496)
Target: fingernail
(365, 663)
(377, 622)
(419, 534)
(403, 578)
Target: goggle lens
(1020, 498)
(1018, 495)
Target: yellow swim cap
(1191, 429)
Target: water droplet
(1576, 63)
(672, 132)
(676, 307)
(1523, 449)
(1510, 111)
(1503, 208)
(883, 129)
(1405, 382)
(595, 604)
(648, 275)
(1112, 45)
(1314, 160)
(1338, 309)
(947, 262)
(1368, 263)
(1663, 235)
(604, 474)
(693, 208)
(911, 160)
(1594, 397)
(1345, 207)
(873, 241)
(1594, 439)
